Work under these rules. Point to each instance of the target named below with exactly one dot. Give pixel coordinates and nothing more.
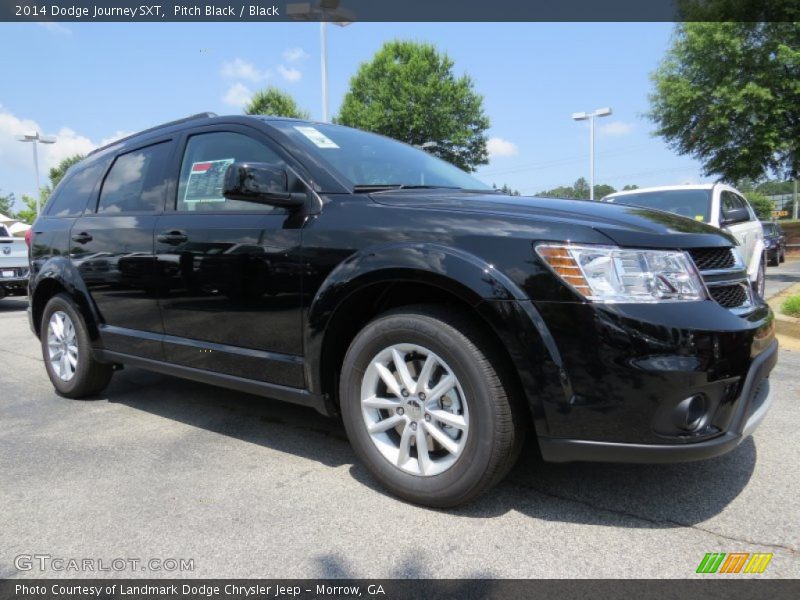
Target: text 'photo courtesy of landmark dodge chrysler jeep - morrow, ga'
(348, 272)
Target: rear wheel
(425, 407)
(783, 256)
(67, 351)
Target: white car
(13, 264)
(717, 204)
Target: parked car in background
(13, 264)
(717, 204)
(775, 243)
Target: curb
(788, 328)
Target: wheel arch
(58, 275)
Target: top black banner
(400, 10)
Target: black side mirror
(735, 215)
(259, 182)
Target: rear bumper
(752, 406)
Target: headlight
(607, 274)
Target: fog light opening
(691, 413)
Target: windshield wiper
(361, 189)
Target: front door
(111, 248)
(230, 270)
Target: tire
(783, 256)
(482, 421)
(84, 376)
(773, 262)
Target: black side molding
(249, 386)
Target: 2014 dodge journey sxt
(341, 270)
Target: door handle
(172, 238)
(82, 237)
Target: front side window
(205, 160)
(730, 202)
(136, 182)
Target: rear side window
(72, 195)
(136, 182)
(207, 157)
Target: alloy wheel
(62, 345)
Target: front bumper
(752, 406)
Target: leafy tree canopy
(276, 102)
(409, 91)
(728, 94)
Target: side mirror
(259, 182)
(735, 215)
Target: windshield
(695, 204)
(370, 160)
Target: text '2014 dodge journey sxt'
(345, 271)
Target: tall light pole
(36, 139)
(325, 11)
(582, 116)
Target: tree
(7, 204)
(602, 190)
(579, 190)
(506, 189)
(28, 214)
(728, 93)
(409, 92)
(761, 204)
(276, 102)
(630, 187)
(57, 173)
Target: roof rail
(203, 115)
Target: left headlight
(617, 275)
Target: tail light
(28, 236)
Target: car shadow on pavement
(638, 496)
(13, 304)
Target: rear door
(112, 249)
(230, 270)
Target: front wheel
(425, 407)
(67, 351)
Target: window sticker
(205, 181)
(700, 218)
(319, 139)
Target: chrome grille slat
(714, 263)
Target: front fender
(501, 304)
(755, 259)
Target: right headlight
(621, 275)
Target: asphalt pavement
(161, 468)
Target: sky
(87, 83)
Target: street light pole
(323, 42)
(582, 116)
(36, 139)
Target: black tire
(783, 256)
(774, 262)
(495, 421)
(90, 377)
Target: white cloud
(497, 146)
(238, 95)
(294, 54)
(241, 69)
(54, 27)
(616, 128)
(290, 74)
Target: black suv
(348, 272)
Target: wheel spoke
(425, 374)
(423, 457)
(386, 424)
(440, 436)
(64, 362)
(449, 418)
(405, 446)
(445, 385)
(389, 380)
(402, 370)
(57, 327)
(376, 402)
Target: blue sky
(86, 83)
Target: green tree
(728, 93)
(276, 102)
(28, 214)
(603, 190)
(630, 187)
(761, 204)
(7, 204)
(409, 92)
(507, 189)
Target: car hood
(624, 225)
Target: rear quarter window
(73, 193)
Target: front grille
(712, 259)
(729, 296)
